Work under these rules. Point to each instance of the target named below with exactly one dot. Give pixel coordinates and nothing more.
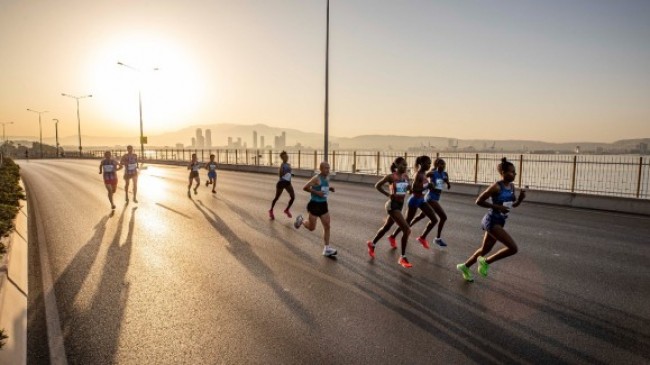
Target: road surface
(210, 279)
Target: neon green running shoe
(483, 266)
(467, 275)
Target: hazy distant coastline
(296, 139)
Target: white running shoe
(298, 221)
(329, 251)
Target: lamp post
(327, 63)
(40, 128)
(56, 131)
(139, 105)
(4, 139)
(78, 119)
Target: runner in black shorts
(194, 166)
(283, 184)
(319, 188)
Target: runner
(108, 166)
(319, 188)
(438, 178)
(194, 167)
(503, 197)
(212, 173)
(130, 160)
(399, 186)
(283, 184)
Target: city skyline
(555, 72)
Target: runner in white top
(194, 166)
(130, 160)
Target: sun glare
(162, 71)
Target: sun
(163, 73)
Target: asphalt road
(211, 279)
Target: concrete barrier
(13, 292)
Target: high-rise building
(262, 146)
(229, 141)
(255, 139)
(208, 138)
(199, 138)
(193, 142)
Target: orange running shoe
(404, 262)
(288, 213)
(393, 242)
(371, 249)
(424, 242)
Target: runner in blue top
(212, 173)
(194, 166)
(438, 178)
(130, 160)
(108, 167)
(399, 186)
(319, 188)
(285, 175)
(503, 199)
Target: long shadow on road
(242, 251)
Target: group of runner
(425, 189)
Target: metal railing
(609, 175)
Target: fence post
(247, 157)
(202, 155)
(573, 174)
(315, 160)
(298, 159)
(476, 170)
(638, 180)
(354, 163)
(227, 157)
(270, 157)
(521, 169)
(236, 157)
(333, 161)
(377, 163)
(257, 157)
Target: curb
(13, 292)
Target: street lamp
(4, 139)
(78, 119)
(56, 131)
(40, 127)
(142, 138)
(327, 63)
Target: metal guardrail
(608, 175)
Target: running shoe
(214, 191)
(329, 252)
(440, 242)
(135, 200)
(482, 266)
(189, 195)
(126, 199)
(112, 206)
(207, 183)
(393, 242)
(371, 249)
(404, 262)
(467, 275)
(271, 215)
(424, 242)
(195, 192)
(298, 221)
(288, 213)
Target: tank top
(324, 186)
(438, 180)
(108, 167)
(399, 186)
(195, 167)
(285, 172)
(505, 197)
(425, 185)
(131, 164)
(212, 166)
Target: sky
(556, 71)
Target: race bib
(325, 190)
(132, 166)
(109, 168)
(213, 167)
(440, 183)
(401, 188)
(287, 176)
(508, 204)
(196, 167)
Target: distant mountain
(221, 132)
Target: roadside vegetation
(10, 195)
